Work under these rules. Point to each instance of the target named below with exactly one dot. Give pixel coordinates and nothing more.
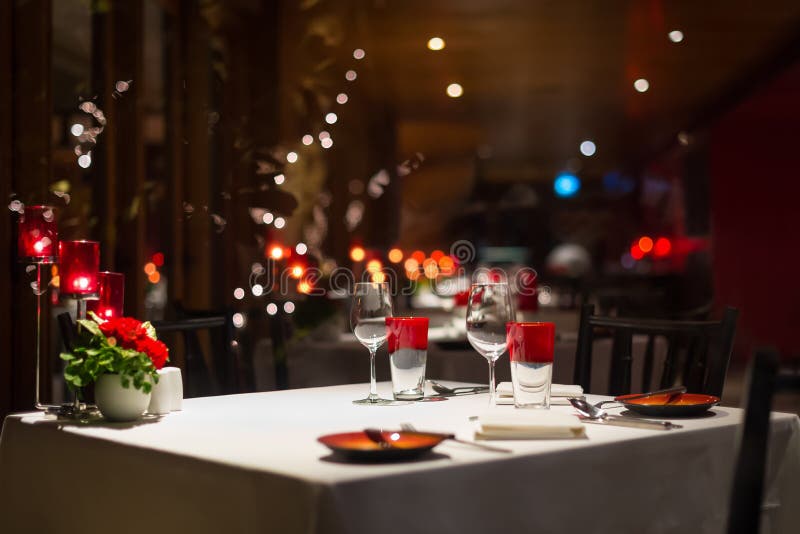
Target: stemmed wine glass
(372, 304)
(488, 311)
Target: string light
(301, 248)
(641, 85)
(331, 118)
(238, 293)
(350, 75)
(280, 222)
(358, 53)
(308, 139)
(279, 179)
(291, 157)
(327, 142)
(341, 98)
(272, 308)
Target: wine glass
(488, 311)
(372, 304)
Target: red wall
(754, 156)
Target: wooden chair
(744, 516)
(697, 350)
(221, 372)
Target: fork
(408, 427)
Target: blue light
(567, 185)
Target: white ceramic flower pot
(117, 403)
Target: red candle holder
(79, 266)
(111, 295)
(407, 333)
(531, 342)
(38, 235)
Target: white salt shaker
(162, 394)
(173, 376)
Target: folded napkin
(529, 424)
(559, 393)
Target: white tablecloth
(251, 463)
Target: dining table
(252, 463)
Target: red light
(436, 255)
(645, 244)
(276, 252)
(418, 255)
(662, 247)
(158, 259)
(636, 252)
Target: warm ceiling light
(676, 36)
(435, 43)
(454, 90)
(588, 148)
(641, 85)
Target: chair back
(744, 516)
(212, 364)
(697, 355)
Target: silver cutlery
(461, 390)
(410, 428)
(668, 391)
(594, 414)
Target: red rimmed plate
(675, 405)
(404, 445)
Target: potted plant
(121, 358)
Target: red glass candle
(111, 296)
(531, 342)
(79, 262)
(407, 333)
(38, 234)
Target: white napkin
(559, 393)
(529, 424)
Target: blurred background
(241, 157)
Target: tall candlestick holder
(37, 245)
(79, 279)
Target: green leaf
(91, 326)
(66, 356)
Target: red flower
(125, 329)
(130, 334)
(155, 350)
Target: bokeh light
(238, 293)
(308, 139)
(676, 36)
(662, 247)
(76, 129)
(357, 254)
(378, 277)
(331, 118)
(373, 266)
(454, 90)
(566, 185)
(359, 53)
(436, 43)
(304, 287)
(645, 244)
(149, 268)
(276, 252)
(279, 179)
(411, 264)
(341, 98)
(291, 157)
(238, 320)
(301, 248)
(288, 306)
(418, 255)
(588, 148)
(641, 85)
(257, 290)
(272, 308)
(280, 222)
(350, 75)
(326, 143)
(297, 271)
(395, 255)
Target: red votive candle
(38, 234)
(407, 333)
(531, 342)
(79, 262)
(111, 295)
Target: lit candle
(38, 234)
(111, 297)
(79, 263)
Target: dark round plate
(357, 446)
(681, 405)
